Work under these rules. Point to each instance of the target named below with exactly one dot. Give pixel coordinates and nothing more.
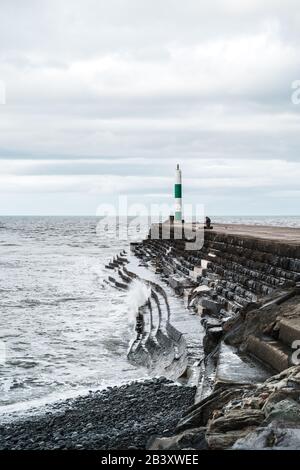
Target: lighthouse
(178, 195)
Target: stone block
(201, 310)
(196, 277)
(199, 270)
(289, 330)
(211, 305)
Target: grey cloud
(160, 82)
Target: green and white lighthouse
(178, 195)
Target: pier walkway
(285, 235)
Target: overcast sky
(105, 97)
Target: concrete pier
(238, 269)
(243, 286)
(286, 235)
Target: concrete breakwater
(244, 289)
(166, 339)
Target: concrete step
(289, 331)
(239, 266)
(274, 353)
(259, 286)
(239, 368)
(229, 254)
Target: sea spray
(138, 294)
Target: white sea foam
(138, 294)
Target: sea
(63, 329)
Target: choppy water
(279, 221)
(61, 330)
(60, 327)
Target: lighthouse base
(178, 217)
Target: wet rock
(199, 414)
(212, 306)
(192, 439)
(209, 322)
(285, 410)
(270, 399)
(268, 438)
(212, 338)
(236, 420)
(220, 441)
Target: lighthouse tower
(178, 195)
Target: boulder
(285, 410)
(198, 414)
(191, 438)
(270, 437)
(236, 419)
(217, 441)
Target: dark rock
(222, 441)
(199, 414)
(268, 438)
(192, 439)
(235, 420)
(286, 410)
(212, 338)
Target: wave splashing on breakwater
(138, 294)
(62, 329)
